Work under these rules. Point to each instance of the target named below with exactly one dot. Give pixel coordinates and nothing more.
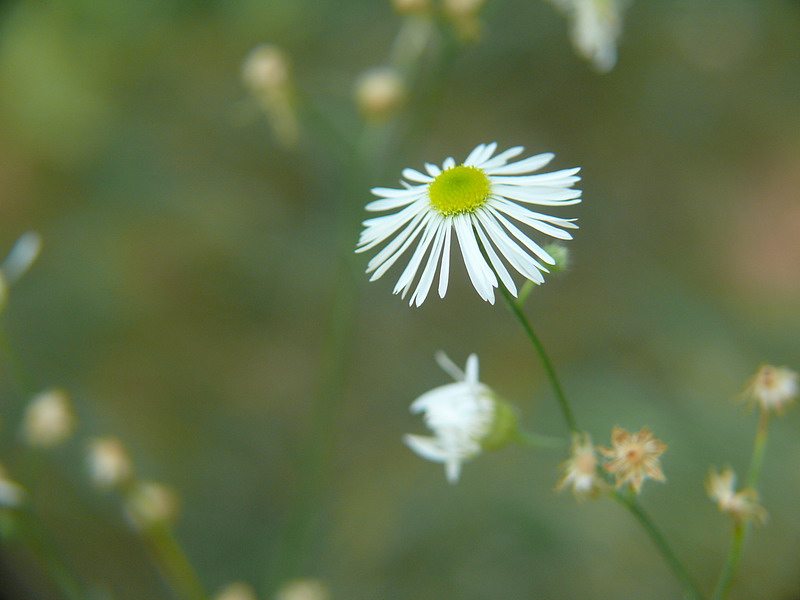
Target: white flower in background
(596, 27)
(465, 418)
(49, 419)
(303, 589)
(151, 504)
(21, 257)
(773, 388)
(479, 200)
(742, 505)
(580, 469)
(110, 465)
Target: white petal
(426, 279)
(22, 256)
(382, 228)
(444, 270)
(390, 203)
(395, 193)
(426, 447)
(563, 178)
(497, 264)
(383, 261)
(413, 265)
(476, 152)
(502, 158)
(486, 154)
(448, 366)
(514, 211)
(524, 166)
(482, 277)
(414, 175)
(471, 375)
(538, 195)
(448, 163)
(524, 239)
(516, 256)
(433, 170)
(453, 469)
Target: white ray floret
(484, 202)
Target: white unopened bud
(12, 494)
(49, 419)
(265, 68)
(379, 93)
(303, 589)
(151, 504)
(22, 256)
(109, 463)
(267, 74)
(407, 7)
(236, 591)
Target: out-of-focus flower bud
(110, 465)
(236, 591)
(303, 589)
(267, 75)
(380, 92)
(560, 254)
(49, 419)
(410, 7)
(464, 15)
(151, 504)
(12, 494)
(22, 256)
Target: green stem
(173, 562)
(539, 441)
(548, 365)
(32, 535)
(661, 544)
(22, 378)
(741, 528)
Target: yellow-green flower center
(459, 190)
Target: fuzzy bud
(151, 504)
(110, 465)
(303, 589)
(49, 420)
(379, 93)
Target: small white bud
(12, 494)
(22, 256)
(379, 93)
(151, 504)
(236, 591)
(303, 589)
(265, 68)
(49, 419)
(409, 7)
(109, 463)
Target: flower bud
(464, 15)
(773, 388)
(410, 7)
(109, 463)
(22, 256)
(49, 420)
(379, 93)
(267, 75)
(12, 494)
(151, 504)
(303, 589)
(560, 254)
(236, 591)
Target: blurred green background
(184, 289)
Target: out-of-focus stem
(660, 542)
(740, 528)
(173, 562)
(563, 403)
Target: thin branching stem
(740, 528)
(563, 403)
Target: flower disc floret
(459, 190)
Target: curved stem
(661, 543)
(174, 563)
(548, 365)
(539, 441)
(740, 528)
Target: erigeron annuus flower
(49, 420)
(580, 469)
(596, 27)
(742, 505)
(465, 418)
(110, 465)
(479, 201)
(634, 457)
(773, 388)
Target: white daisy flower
(480, 200)
(462, 416)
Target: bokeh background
(183, 294)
